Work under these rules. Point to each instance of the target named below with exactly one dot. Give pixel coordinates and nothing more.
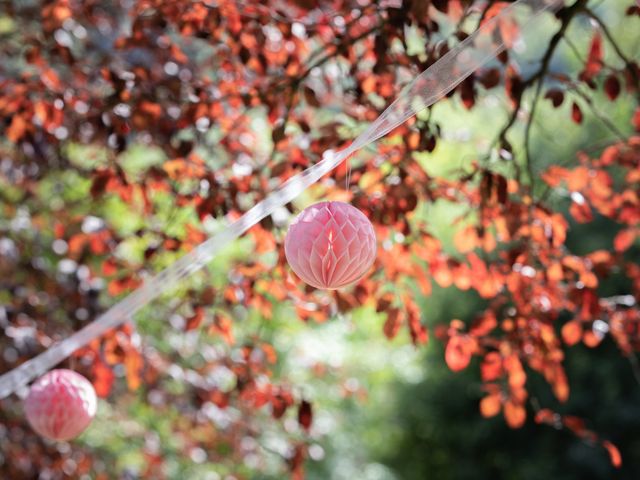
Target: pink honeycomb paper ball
(330, 245)
(60, 404)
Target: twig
(608, 123)
(566, 15)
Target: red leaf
(103, 378)
(109, 267)
(514, 414)
(560, 384)
(490, 78)
(624, 239)
(223, 326)
(17, 128)
(490, 405)
(441, 273)
(270, 353)
(120, 285)
(100, 181)
(555, 272)
(491, 367)
(590, 339)
(305, 415)
(572, 332)
(633, 10)
(278, 133)
(494, 10)
(466, 239)
(546, 416)
(556, 96)
(310, 97)
(395, 318)
(368, 85)
(51, 80)
(594, 60)
(578, 179)
(484, 324)
(152, 109)
(610, 155)
(614, 453)
(575, 424)
(612, 87)
(576, 113)
(517, 375)
(296, 462)
(510, 31)
(133, 364)
(581, 212)
(278, 407)
(467, 93)
(419, 334)
(458, 352)
(76, 244)
(195, 320)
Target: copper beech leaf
(103, 378)
(305, 414)
(594, 59)
(576, 113)
(395, 318)
(491, 367)
(614, 453)
(612, 87)
(515, 414)
(624, 239)
(556, 96)
(458, 352)
(572, 332)
(206, 118)
(490, 405)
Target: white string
(431, 85)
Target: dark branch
(566, 15)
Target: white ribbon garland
(431, 85)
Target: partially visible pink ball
(330, 245)
(60, 404)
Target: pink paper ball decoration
(60, 404)
(330, 245)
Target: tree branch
(606, 121)
(566, 15)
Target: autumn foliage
(233, 99)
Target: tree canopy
(502, 306)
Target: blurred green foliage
(383, 410)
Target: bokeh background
(382, 409)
